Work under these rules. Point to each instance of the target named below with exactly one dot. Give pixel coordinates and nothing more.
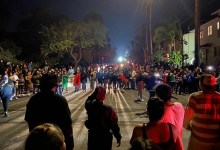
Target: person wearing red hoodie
(102, 122)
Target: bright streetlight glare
(120, 59)
(210, 68)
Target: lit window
(218, 26)
(201, 34)
(209, 30)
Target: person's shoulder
(217, 93)
(60, 98)
(196, 94)
(178, 105)
(138, 128)
(33, 99)
(108, 107)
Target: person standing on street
(202, 116)
(102, 122)
(140, 84)
(164, 135)
(5, 95)
(83, 80)
(48, 107)
(76, 81)
(173, 111)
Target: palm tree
(168, 34)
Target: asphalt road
(14, 130)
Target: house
(189, 46)
(209, 41)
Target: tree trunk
(77, 56)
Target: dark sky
(123, 16)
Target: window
(218, 26)
(209, 30)
(201, 34)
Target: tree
(11, 47)
(165, 36)
(158, 56)
(73, 37)
(9, 50)
(175, 57)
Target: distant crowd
(25, 79)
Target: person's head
(48, 82)
(141, 144)
(207, 82)
(164, 92)
(45, 137)
(155, 109)
(99, 93)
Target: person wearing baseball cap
(202, 116)
(102, 122)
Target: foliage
(167, 34)
(175, 57)
(72, 37)
(158, 56)
(6, 55)
(11, 47)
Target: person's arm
(115, 128)
(67, 130)
(177, 138)
(137, 132)
(189, 112)
(69, 140)
(133, 136)
(179, 143)
(188, 117)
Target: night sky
(123, 16)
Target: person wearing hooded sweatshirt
(5, 95)
(102, 122)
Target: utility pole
(148, 44)
(197, 33)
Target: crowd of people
(24, 78)
(166, 118)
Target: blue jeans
(84, 85)
(5, 101)
(59, 89)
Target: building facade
(209, 42)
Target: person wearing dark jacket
(102, 122)
(48, 107)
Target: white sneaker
(142, 100)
